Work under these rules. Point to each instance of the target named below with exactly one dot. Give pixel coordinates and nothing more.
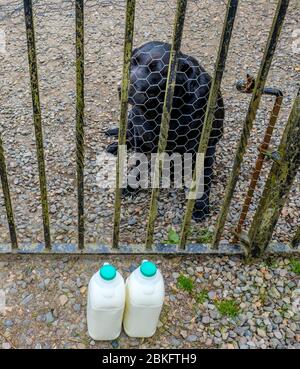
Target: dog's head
(148, 77)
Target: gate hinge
(244, 240)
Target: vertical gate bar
(258, 165)
(80, 117)
(37, 117)
(7, 198)
(278, 184)
(166, 115)
(296, 239)
(231, 10)
(251, 114)
(128, 42)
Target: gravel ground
(46, 303)
(104, 38)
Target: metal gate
(285, 160)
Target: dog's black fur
(146, 95)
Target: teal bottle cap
(108, 272)
(148, 269)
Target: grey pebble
(49, 318)
(132, 221)
(77, 307)
(8, 323)
(192, 338)
(27, 299)
(175, 342)
(212, 295)
(205, 320)
(6, 345)
(115, 344)
(190, 271)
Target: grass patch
(263, 297)
(202, 296)
(205, 236)
(173, 237)
(201, 235)
(295, 266)
(185, 283)
(228, 308)
(283, 309)
(271, 262)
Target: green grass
(283, 309)
(205, 236)
(202, 296)
(295, 266)
(271, 262)
(185, 283)
(173, 237)
(228, 308)
(263, 297)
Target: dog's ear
(185, 66)
(185, 76)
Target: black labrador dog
(148, 77)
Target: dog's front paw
(112, 132)
(112, 148)
(201, 210)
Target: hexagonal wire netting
(104, 34)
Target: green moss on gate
(34, 81)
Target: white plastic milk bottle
(144, 300)
(106, 302)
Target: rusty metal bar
(166, 115)
(262, 151)
(128, 41)
(7, 198)
(296, 239)
(37, 117)
(79, 11)
(232, 6)
(278, 185)
(252, 110)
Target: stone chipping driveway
(211, 302)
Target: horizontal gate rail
(128, 42)
(278, 185)
(37, 117)
(211, 106)
(166, 115)
(252, 110)
(7, 198)
(129, 249)
(79, 14)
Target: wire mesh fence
(104, 24)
